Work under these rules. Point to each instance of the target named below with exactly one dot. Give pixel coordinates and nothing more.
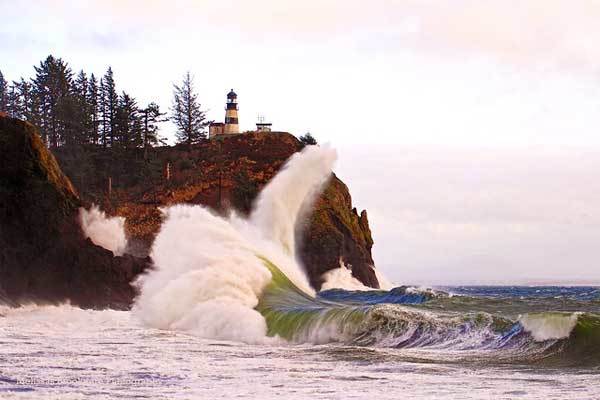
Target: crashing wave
(209, 274)
(548, 326)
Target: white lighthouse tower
(231, 114)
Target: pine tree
(186, 113)
(127, 122)
(109, 103)
(23, 102)
(151, 116)
(26, 102)
(16, 106)
(12, 106)
(82, 117)
(94, 110)
(80, 86)
(102, 126)
(3, 93)
(52, 88)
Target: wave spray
(209, 271)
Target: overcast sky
(469, 130)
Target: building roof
(231, 95)
(216, 123)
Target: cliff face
(335, 232)
(44, 256)
(221, 174)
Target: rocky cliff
(44, 256)
(222, 174)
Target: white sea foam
(549, 326)
(208, 273)
(67, 353)
(341, 278)
(108, 232)
(384, 282)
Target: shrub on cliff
(244, 192)
(308, 139)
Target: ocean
(453, 342)
(227, 312)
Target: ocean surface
(227, 312)
(451, 342)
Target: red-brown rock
(220, 173)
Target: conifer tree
(80, 90)
(80, 85)
(3, 93)
(52, 88)
(23, 101)
(102, 112)
(127, 122)
(94, 109)
(109, 103)
(70, 118)
(186, 113)
(82, 117)
(151, 116)
(16, 106)
(12, 104)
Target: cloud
(539, 32)
(534, 31)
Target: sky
(468, 129)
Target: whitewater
(227, 312)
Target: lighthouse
(231, 114)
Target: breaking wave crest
(400, 318)
(209, 271)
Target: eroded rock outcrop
(44, 256)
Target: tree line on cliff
(74, 109)
(78, 109)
